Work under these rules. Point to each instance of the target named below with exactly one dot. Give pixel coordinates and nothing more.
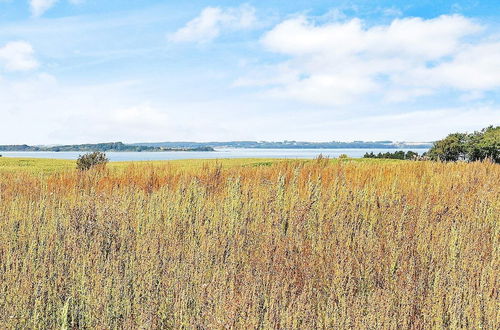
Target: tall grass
(285, 245)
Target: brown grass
(290, 245)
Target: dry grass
(285, 245)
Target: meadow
(260, 244)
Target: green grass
(51, 166)
(35, 165)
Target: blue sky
(76, 71)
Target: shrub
(343, 156)
(409, 155)
(87, 161)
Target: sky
(88, 71)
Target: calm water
(219, 153)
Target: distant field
(250, 244)
(35, 165)
(51, 166)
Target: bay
(218, 154)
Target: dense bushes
(409, 155)
(87, 161)
(476, 146)
(468, 147)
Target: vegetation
(35, 166)
(471, 147)
(275, 244)
(102, 147)
(44, 167)
(94, 159)
(409, 155)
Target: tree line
(102, 147)
(477, 146)
(480, 145)
(409, 155)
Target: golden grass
(301, 245)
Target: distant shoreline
(103, 147)
(209, 146)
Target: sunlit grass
(250, 244)
(51, 166)
(35, 165)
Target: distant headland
(209, 146)
(104, 147)
(293, 145)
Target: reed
(316, 244)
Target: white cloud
(39, 7)
(474, 67)
(40, 109)
(18, 56)
(340, 62)
(212, 21)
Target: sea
(217, 154)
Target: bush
(87, 161)
(409, 155)
(343, 156)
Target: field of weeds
(302, 245)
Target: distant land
(293, 145)
(209, 146)
(104, 147)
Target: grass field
(50, 166)
(40, 166)
(250, 244)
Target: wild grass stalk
(290, 245)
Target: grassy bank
(51, 166)
(250, 244)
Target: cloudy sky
(75, 71)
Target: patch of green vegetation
(50, 166)
(35, 165)
(260, 164)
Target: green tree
(484, 144)
(410, 155)
(451, 148)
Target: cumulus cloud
(18, 56)
(337, 63)
(212, 21)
